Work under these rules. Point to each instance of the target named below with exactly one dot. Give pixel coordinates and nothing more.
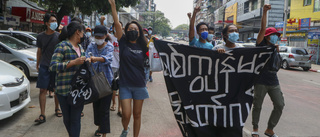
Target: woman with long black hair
(66, 60)
(133, 49)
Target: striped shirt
(62, 55)
(107, 53)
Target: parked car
(19, 54)
(14, 90)
(169, 38)
(25, 36)
(295, 57)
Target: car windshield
(299, 51)
(13, 43)
(34, 35)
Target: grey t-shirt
(222, 46)
(47, 43)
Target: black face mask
(82, 40)
(132, 35)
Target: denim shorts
(44, 77)
(137, 93)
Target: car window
(23, 38)
(299, 51)
(283, 49)
(13, 43)
(34, 35)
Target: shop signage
(283, 38)
(28, 15)
(12, 20)
(305, 23)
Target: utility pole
(285, 20)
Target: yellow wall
(232, 11)
(297, 10)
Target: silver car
(19, 54)
(25, 36)
(14, 90)
(295, 57)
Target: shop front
(31, 19)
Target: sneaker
(125, 132)
(150, 78)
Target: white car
(14, 90)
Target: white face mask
(99, 41)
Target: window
(230, 18)
(307, 2)
(299, 51)
(283, 49)
(316, 5)
(254, 5)
(246, 7)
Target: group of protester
(60, 55)
(268, 81)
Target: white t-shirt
(116, 58)
(222, 46)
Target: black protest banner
(209, 90)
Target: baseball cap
(271, 30)
(145, 29)
(100, 30)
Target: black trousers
(101, 111)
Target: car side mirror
(34, 42)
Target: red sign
(283, 38)
(28, 15)
(65, 20)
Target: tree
(182, 27)
(156, 20)
(86, 7)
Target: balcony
(249, 15)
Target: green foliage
(182, 27)
(87, 7)
(156, 20)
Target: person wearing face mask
(149, 32)
(66, 60)
(230, 36)
(202, 31)
(268, 82)
(46, 42)
(115, 64)
(147, 63)
(133, 49)
(211, 36)
(89, 33)
(100, 54)
(146, 34)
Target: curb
(314, 70)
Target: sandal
(119, 114)
(82, 114)
(58, 112)
(113, 108)
(274, 135)
(50, 94)
(39, 120)
(97, 133)
(255, 134)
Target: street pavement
(157, 117)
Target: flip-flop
(113, 108)
(82, 114)
(119, 114)
(97, 133)
(39, 120)
(274, 135)
(254, 134)
(58, 114)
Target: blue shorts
(44, 77)
(137, 93)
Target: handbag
(275, 61)
(81, 91)
(100, 84)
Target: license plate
(22, 96)
(301, 63)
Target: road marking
(311, 82)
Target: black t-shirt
(267, 77)
(131, 64)
(47, 43)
